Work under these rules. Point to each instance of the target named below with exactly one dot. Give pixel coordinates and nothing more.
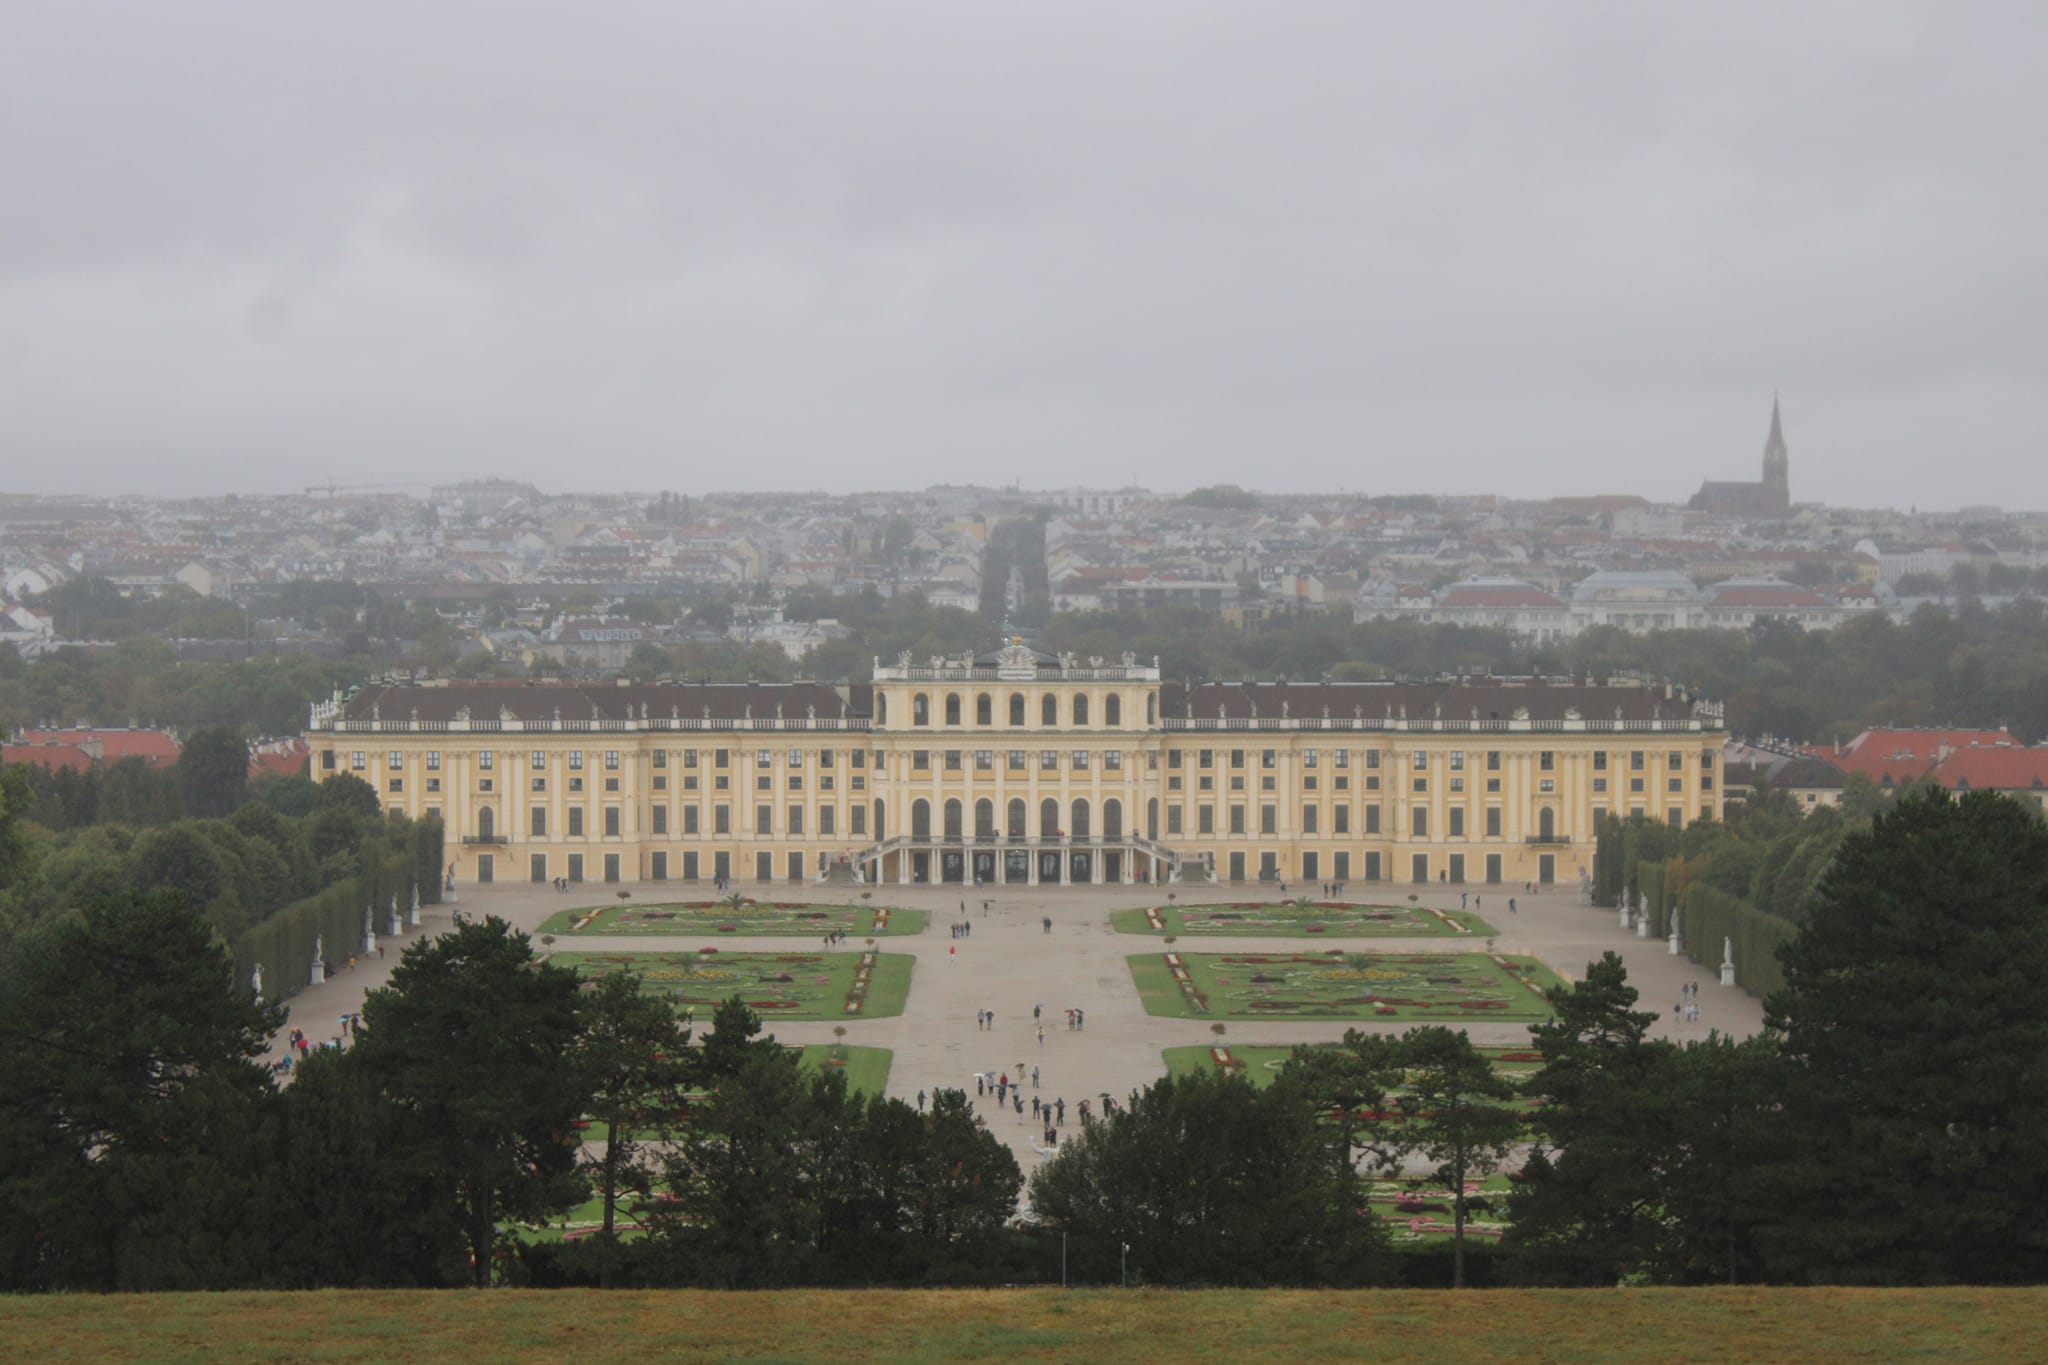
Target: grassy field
(1396, 987)
(1287, 919)
(775, 985)
(694, 919)
(1261, 1065)
(1626, 1327)
(866, 1068)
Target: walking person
(1041, 1035)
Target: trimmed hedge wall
(1711, 915)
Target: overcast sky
(1523, 248)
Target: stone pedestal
(1727, 973)
(1676, 946)
(1626, 915)
(1643, 927)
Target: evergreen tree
(1590, 1206)
(130, 1103)
(1451, 1118)
(213, 773)
(474, 1042)
(1916, 1040)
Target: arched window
(1017, 709)
(984, 710)
(1079, 827)
(881, 823)
(1016, 813)
(953, 818)
(1546, 823)
(1048, 818)
(1080, 709)
(1112, 819)
(952, 708)
(920, 819)
(920, 710)
(881, 708)
(984, 819)
(485, 823)
(1152, 819)
(1049, 712)
(1113, 710)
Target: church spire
(1777, 463)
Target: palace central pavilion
(1021, 767)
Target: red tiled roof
(52, 756)
(153, 747)
(1901, 756)
(1994, 769)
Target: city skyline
(1498, 251)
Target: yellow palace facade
(1022, 768)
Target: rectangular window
(689, 867)
(796, 866)
(689, 758)
(575, 867)
(1172, 759)
(1308, 758)
(1457, 814)
(1457, 761)
(1080, 760)
(764, 783)
(721, 819)
(1237, 758)
(575, 822)
(1372, 760)
(1372, 819)
(763, 758)
(721, 758)
(1635, 784)
(1340, 819)
(1674, 760)
(1340, 866)
(826, 824)
(611, 760)
(1600, 761)
(796, 758)
(1419, 867)
(660, 759)
(1237, 819)
(1269, 819)
(1205, 758)
(1599, 786)
(1421, 784)
(796, 784)
(1048, 760)
(1547, 784)
(1546, 761)
(660, 814)
(1675, 816)
(1269, 758)
(1372, 867)
(1173, 820)
(952, 760)
(1311, 866)
(796, 822)
(764, 819)
(1457, 867)
(396, 784)
(433, 760)
(537, 867)
(1017, 760)
(1419, 761)
(1676, 784)
(660, 782)
(1205, 819)
(657, 867)
(539, 826)
(984, 760)
(1309, 820)
(575, 760)
(1493, 822)
(1418, 819)
(486, 760)
(857, 819)
(611, 822)
(825, 758)
(689, 819)
(1340, 758)
(611, 784)
(1635, 761)
(434, 784)
(1493, 760)
(539, 760)
(921, 760)
(1113, 760)
(539, 784)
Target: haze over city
(1503, 249)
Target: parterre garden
(835, 985)
(1302, 919)
(1261, 1065)
(1410, 987)
(693, 918)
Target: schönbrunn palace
(1025, 768)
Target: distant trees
(213, 772)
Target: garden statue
(319, 972)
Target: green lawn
(1410, 987)
(1025, 1326)
(817, 985)
(1287, 919)
(866, 1068)
(1261, 1065)
(695, 919)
